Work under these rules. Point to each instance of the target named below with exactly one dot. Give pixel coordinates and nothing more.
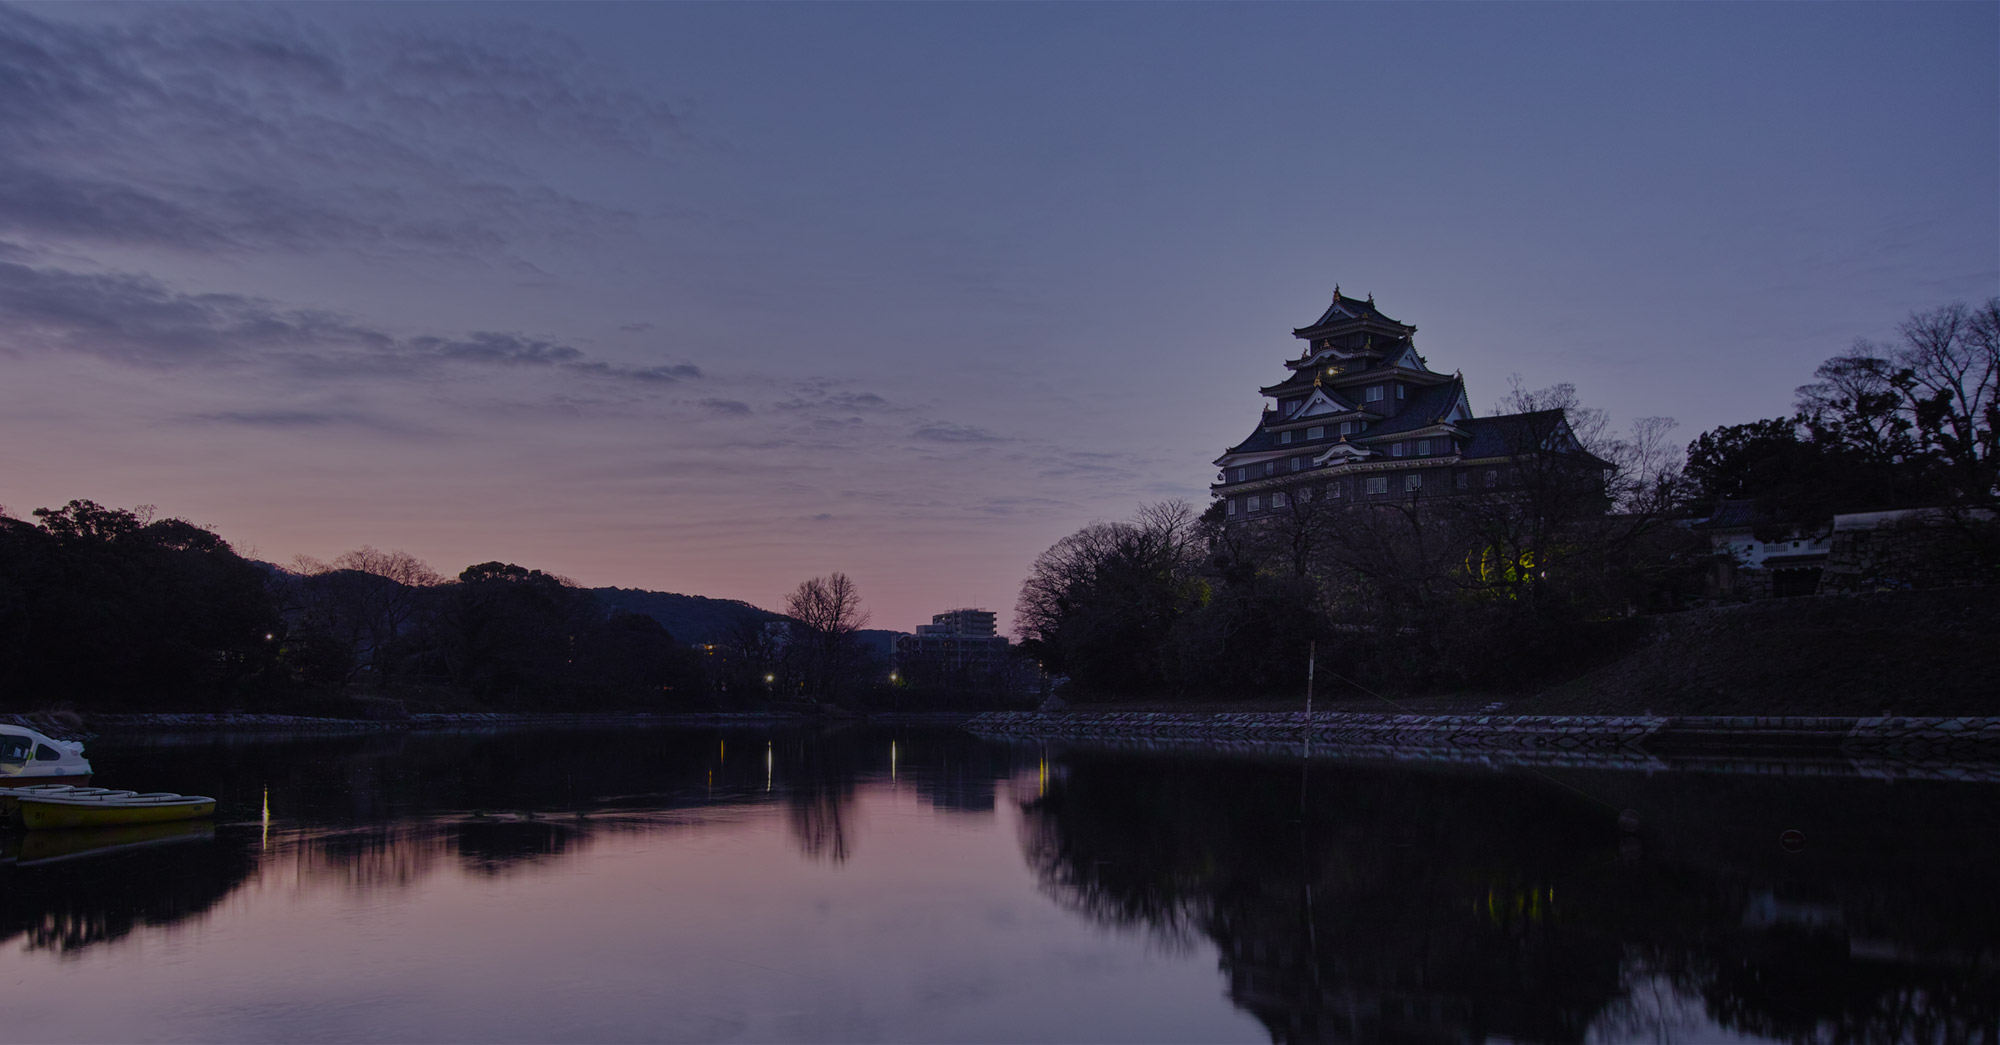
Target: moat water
(923, 885)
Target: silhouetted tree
(1100, 604)
(828, 612)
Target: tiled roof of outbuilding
(1732, 515)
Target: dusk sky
(712, 299)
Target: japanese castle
(1363, 418)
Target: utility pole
(1312, 654)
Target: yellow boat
(10, 805)
(40, 811)
(32, 848)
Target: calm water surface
(864, 885)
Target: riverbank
(71, 725)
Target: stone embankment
(1544, 737)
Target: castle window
(1346, 428)
(1278, 499)
(1298, 463)
(1399, 391)
(1333, 489)
(1232, 506)
(1492, 478)
(1412, 481)
(1305, 493)
(1270, 467)
(1284, 437)
(1374, 393)
(1395, 449)
(1256, 502)
(1292, 407)
(1316, 433)
(1378, 484)
(1423, 448)
(1460, 480)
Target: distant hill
(697, 618)
(691, 618)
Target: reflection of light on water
(1042, 778)
(722, 751)
(265, 841)
(892, 761)
(1530, 905)
(767, 765)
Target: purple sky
(715, 298)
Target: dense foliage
(121, 610)
(1910, 424)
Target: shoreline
(156, 723)
(1631, 741)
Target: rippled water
(926, 886)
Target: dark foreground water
(924, 886)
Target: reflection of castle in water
(1381, 905)
(376, 813)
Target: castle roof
(1509, 434)
(1260, 439)
(1427, 405)
(1346, 308)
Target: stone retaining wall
(1897, 550)
(1630, 736)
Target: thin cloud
(825, 396)
(139, 320)
(945, 432)
(299, 420)
(211, 130)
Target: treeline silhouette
(112, 609)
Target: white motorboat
(27, 757)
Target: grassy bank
(1908, 653)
